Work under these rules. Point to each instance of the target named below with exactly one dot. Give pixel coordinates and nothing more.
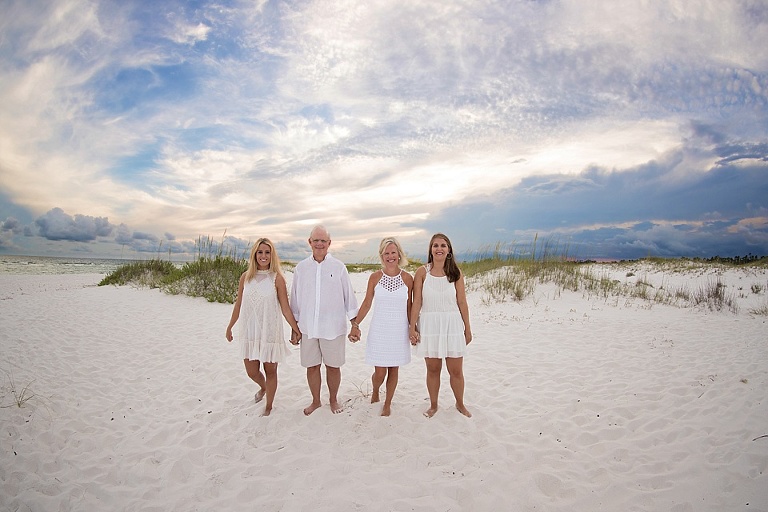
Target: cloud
(189, 34)
(8, 229)
(138, 235)
(57, 225)
(6, 241)
(13, 225)
(140, 241)
(660, 208)
(123, 235)
(261, 118)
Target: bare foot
(312, 408)
(336, 407)
(374, 397)
(463, 410)
(430, 412)
(267, 411)
(385, 410)
(259, 396)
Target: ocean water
(40, 265)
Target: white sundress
(387, 343)
(260, 324)
(441, 328)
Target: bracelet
(355, 324)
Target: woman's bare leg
(377, 379)
(252, 368)
(391, 386)
(455, 366)
(434, 367)
(270, 370)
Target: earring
(449, 256)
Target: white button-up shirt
(322, 299)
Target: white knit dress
(387, 342)
(260, 324)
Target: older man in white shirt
(323, 302)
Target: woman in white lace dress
(387, 346)
(440, 321)
(261, 305)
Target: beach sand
(579, 403)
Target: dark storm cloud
(58, 225)
(652, 209)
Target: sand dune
(579, 403)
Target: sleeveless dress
(441, 328)
(260, 325)
(387, 343)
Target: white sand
(579, 404)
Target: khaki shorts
(315, 351)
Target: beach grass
(149, 274)
(512, 272)
(761, 310)
(214, 274)
(501, 272)
(19, 394)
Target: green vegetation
(736, 260)
(214, 274)
(518, 279)
(513, 273)
(150, 273)
(214, 278)
(501, 272)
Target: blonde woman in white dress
(261, 305)
(387, 346)
(440, 321)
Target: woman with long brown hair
(440, 321)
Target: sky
(608, 130)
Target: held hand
(415, 337)
(295, 337)
(354, 334)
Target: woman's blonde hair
(402, 261)
(274, 262)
